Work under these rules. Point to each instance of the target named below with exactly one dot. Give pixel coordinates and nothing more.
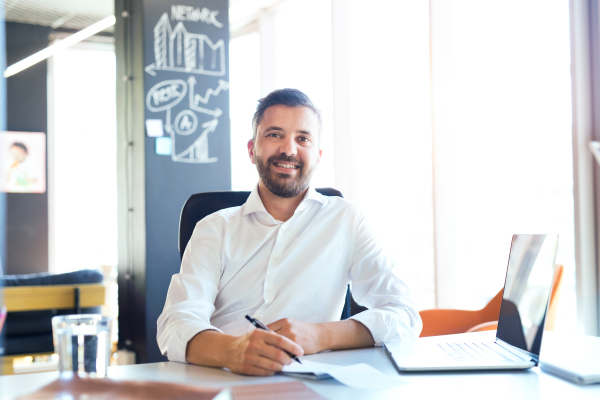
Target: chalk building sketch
(177, 50)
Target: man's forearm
(207, 348)
(348, 334)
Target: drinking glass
(83, 344)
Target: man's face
(286, 150)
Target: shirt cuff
(370, 324)
(180, 339)
(386, 326)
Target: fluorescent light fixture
(63, 44)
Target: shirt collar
(255, 205)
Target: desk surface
(513, 385)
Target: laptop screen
(527, 291)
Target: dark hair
(21, 146)
(283, 97)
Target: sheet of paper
(360, 376)
(163, 146)
(154, 127)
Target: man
(285, 258)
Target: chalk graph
(177, 50)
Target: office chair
(438, 322)
(199, 205)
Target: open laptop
(521, 322)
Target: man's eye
(272, 134)
(304, 139)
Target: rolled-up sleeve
(376, 284)
(192, 292)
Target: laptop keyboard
(477, 352)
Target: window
(456, 128)
(508, 128)
(82, 158)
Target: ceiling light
(63, 44)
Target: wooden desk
(508, 385)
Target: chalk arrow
(168, 126)
(215, 113)
(210, 126)
(195, 99)
(150, 69)
(223, 85)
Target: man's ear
(251, 151)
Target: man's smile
(285, 165)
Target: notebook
(521, 321)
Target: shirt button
(274, 258)
(283, 227)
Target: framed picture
(22, 162)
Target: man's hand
(305, 334)
(313, 338)
(255, 353)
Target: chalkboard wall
(186, 75)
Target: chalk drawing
(191, 54)
(198, 152)
(186, 122)
(176, 49)
(165, 95)
(209, 92)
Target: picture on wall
(22, 162)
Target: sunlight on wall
(84, 188)
(244, 79)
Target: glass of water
(83, 344)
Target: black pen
(260, 325)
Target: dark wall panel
(27, 213)
(2, 127)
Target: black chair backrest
(199, 205)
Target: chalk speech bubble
(165, 95)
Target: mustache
(284, 158)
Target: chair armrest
(486, 326)
(34, 298)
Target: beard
(282, 184)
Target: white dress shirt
(241, 260)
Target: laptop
(521, 322)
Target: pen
(260, 325)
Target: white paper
(154, 127)
(360, 376)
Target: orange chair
(439, 321)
